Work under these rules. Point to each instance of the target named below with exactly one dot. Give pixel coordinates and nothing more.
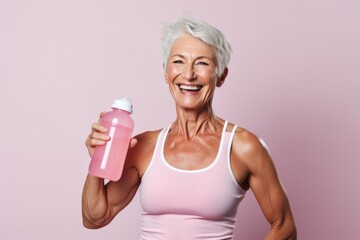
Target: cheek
(172, 72)
(209, 76)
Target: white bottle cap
(123, 104)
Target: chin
(191, 106)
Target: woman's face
(190, 73)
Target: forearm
(278, 236)
(94, 202)
(285, 232)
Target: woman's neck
(192, 123)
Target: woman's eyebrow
(197, 58)
(177, 55)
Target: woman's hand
(98, 136)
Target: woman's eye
(202, 64)
(177, 61)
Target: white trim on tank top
(213, 163)
(158, 148)
(228, 156)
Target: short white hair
(201, 30)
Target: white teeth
(191, 88)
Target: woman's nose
(189, 72)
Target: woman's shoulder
(140, 155)
(240, 132)
(146, 141)
(246, 142)
(249, 148)
(148, 135)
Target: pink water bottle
(108, 160)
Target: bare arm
(101, 203)
(266, 186)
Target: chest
(168, 185)
(191, 155)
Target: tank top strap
(230, 140)
(225, 126)
(233, 132)
(156, 156)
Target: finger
(101, 116)
(133, 142)
(95, 142)
(96, 138)
(99, 136)
(98, 127)
(91, 143)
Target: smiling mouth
(192, 88)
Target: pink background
(294, 80)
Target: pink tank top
(189, 204)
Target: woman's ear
(221, 79)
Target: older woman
(193, 173)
